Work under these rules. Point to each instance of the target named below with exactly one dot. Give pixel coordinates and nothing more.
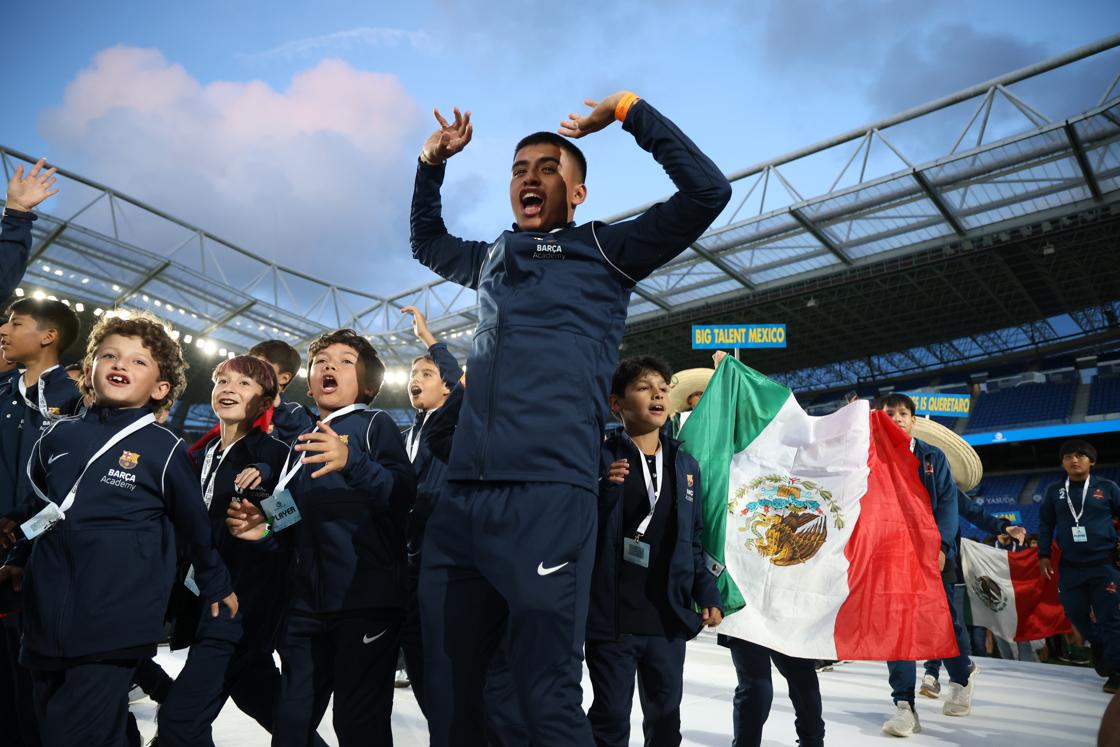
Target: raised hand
(1019, 534)
(24, 193)
(328, 447)
(449, 139)
(602, 114)
(420, 325)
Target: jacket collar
(116, 416)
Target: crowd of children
(492, 546)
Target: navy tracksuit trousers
(86, 704)
(17, 707)
(347, 654)
(964, 636)
(659, 664)
(514, 560)
(219, 666)
(903, 674)
(1095, 588)
(755, 693)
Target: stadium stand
(1001, 489)
(1104, 397)
(1046, 402)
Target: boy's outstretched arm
(453, 258)
(183, 498)
(447, 364)
(24, 194)
(639, 246)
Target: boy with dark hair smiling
(113, 484)
(1078, 514)
(353, 486)
(511, 544)
(289, 419)
(649, 567)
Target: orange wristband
(623, 107)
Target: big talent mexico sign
(735, 336)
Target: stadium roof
(1010, 168)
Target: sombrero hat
(685, 383)
(964, 463)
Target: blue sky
(292, 129)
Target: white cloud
(346, 40)
(317, 176)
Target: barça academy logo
(128, 459)
(784, 519)
(990, 593)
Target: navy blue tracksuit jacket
(1055, 523)
(933, 469)
(21, 424)
(350, 543)
(551, 312)
(260, 579)
(290, 419)
(971, 511)
(690, 582)
(15, 248)
(97, 584)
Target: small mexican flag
(1007, 593)
(818, 528)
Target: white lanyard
(288, 473)
(40, 387)
(116, 439)
(414, 437)
(653, 491)
(208, 485)
(1069, 501)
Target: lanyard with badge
(280, 507)
(1079, 534)
(52, 513)
(208, 478)
(40, 388)
(633, 549)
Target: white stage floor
(1020, 704)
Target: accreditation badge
(280, 508)
(635, 551)
(1079, 534)
(41, 522)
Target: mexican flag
(818, 529)
(1007, 593)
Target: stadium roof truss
(1009, 165)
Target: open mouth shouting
(532, 202)
(415, 390)
(117, 378)
(329, 384)
(227, 402)
(657, 409)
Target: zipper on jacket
(492, 393)
(65, 600)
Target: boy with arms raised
(233, 658)
(647, 574)
(1078, 514)
(113, 485)
(511, 544)
(353, 485)
(289, 419)
(429, 384)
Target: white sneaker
(959, 702)
(904, 722)
(402, 679)
(136, 694)
(930, 688)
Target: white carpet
(1015, 703)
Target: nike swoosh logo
(542, 571)
(52, 459)
(368, 639)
